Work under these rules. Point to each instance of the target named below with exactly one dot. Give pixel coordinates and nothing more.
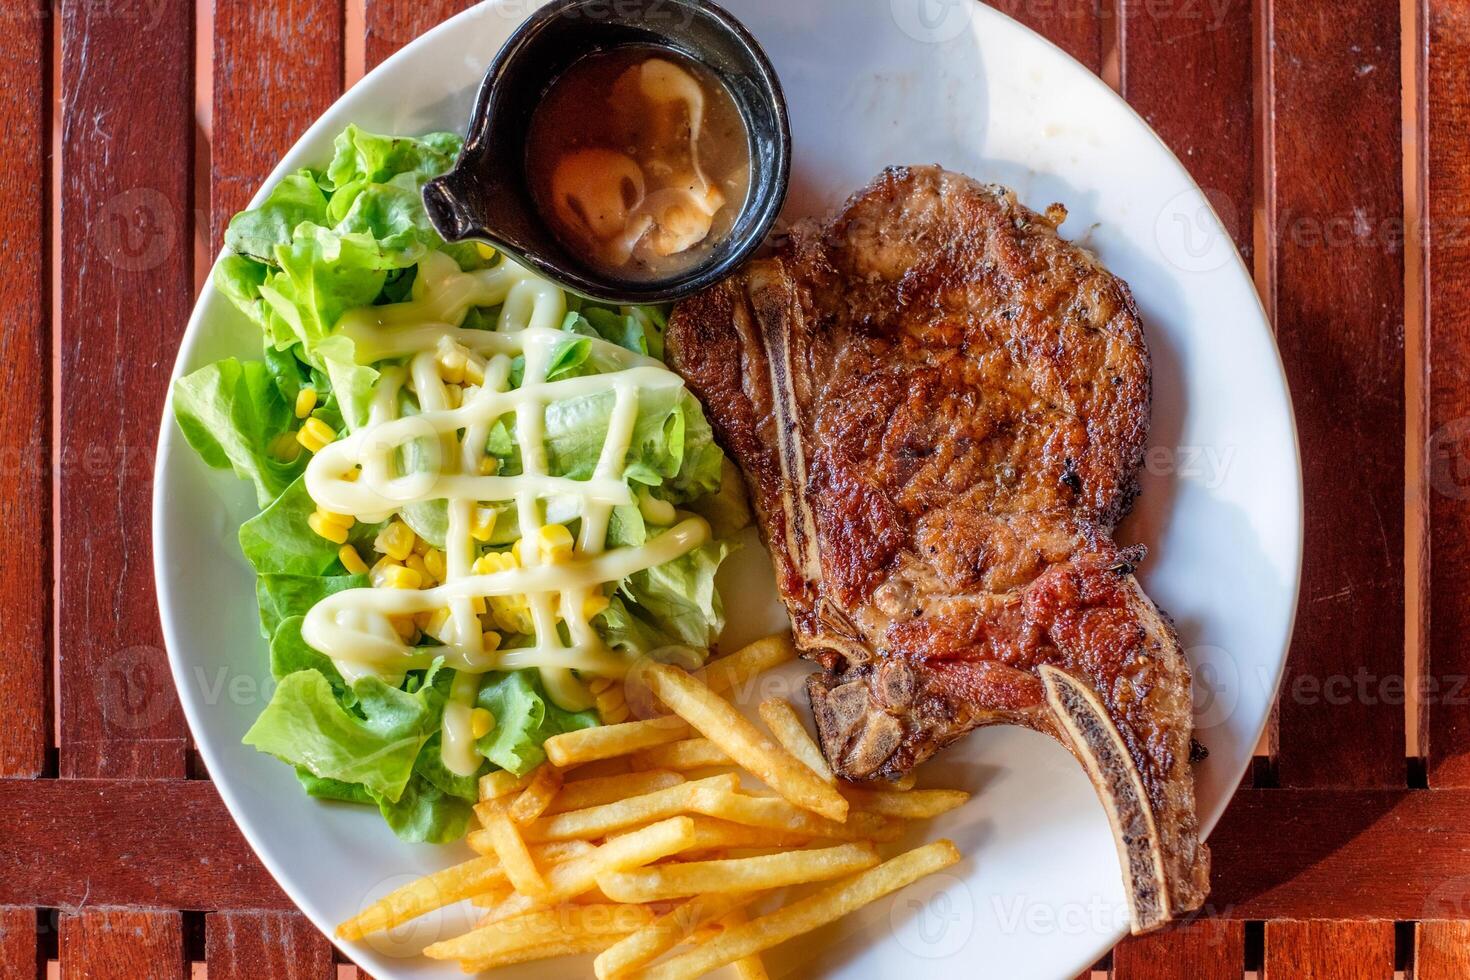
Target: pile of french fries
(636, 839)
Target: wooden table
(1335, 138)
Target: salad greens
(324, 242)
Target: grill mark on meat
(940, 408)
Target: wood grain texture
(160, 843)
(1186, 68)
(25, 369)
(1075, 27)
(122, 944)
(1335, 204)
(1441, 951)
(1326, 950)
(126, 287)
(1209, 949)
(390, 24)
(279, 945)
(1343, 854)
(19, 954)
(277, 66)
(1445, 122)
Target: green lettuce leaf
(280, 597)
(231, 412)
(278, 539)
(425, 814)
(296, 199)
(524, 718)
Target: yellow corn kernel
(401, 577)
(315, 435)
(477, 603)
(485, 251)
(454, 395)
(344, 521)
(335, 533)
(474, 372)
(436, 564)
(612, 705)
(599, 684)
(305, 402)
(494, 561)
(594, 604)
(554, 543)
(482, 722)
(451, 360)
(482, 524)
(351, 475)
(490, 641)
(438, 619)
(511, 614)
(405, 628)
(351, 560)
(515, 550)
(285, 447)
(396, 540)
(420, 546)
(489, 466)
(416, 563)
(423, 619)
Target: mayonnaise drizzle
(353, 627)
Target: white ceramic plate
(870, 82)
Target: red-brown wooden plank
(1186, 68)
(19, 954)
(1441, 951)
(1445, 122)
(161, 843)
(125, 944)
(1343, 854)
(25, 372)
(390, 24)
(279, 945)
(1335, 206)
(277, 66)
(1209, 949)
(1074, 27)
(1325, 950)
(126, 284)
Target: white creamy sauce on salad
(364, 476)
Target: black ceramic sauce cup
(487, 196)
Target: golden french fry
(631, 850)
(809, 913)
(710, 832)
(729, 672)
(599, 821)
(663, 934)
(617, 766)
(502, 782)
(917, 804)
(777, 814)
(514, 857)
(665, 881)
(609, 923)
(689, 753)
(905, 782)
(747, 967)
(572, 946)
(719, 722)
(583, 793)
(783, 721)
(536, 797)
(493, 897)
(607, 741)
(426, 894)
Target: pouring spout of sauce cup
(488, 196)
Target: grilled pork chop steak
(940, 408)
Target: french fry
(640, 847)
(493, 897)
(536, 797)
(502, 782)
(581, 794)
(905, 782)
(777, 814)
(719, 722)
(664, 933)
(729, 672)
(747, 967)
(520, 869)
(609, 923)
(917, 804)
(427, 894)
(570, 946)
(809, 913)
(599, 821)
(607, 741)
(711, 833)
(685, 754)
(665, 881)
(781, 718)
